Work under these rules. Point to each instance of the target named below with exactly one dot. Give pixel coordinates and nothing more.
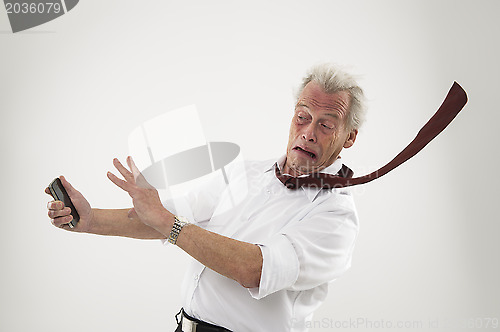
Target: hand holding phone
(59, 193)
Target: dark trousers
(202, 326)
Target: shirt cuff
(280, 267)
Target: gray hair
(333, 79)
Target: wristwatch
(178, 224)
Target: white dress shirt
(306, 237)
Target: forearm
(234, 259)
(237, 260)
(115, 222)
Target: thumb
(69, 188)
(132, 214)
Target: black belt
(196, 325)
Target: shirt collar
(311, 193)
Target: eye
(301, 118)
(326, 126)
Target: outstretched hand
(147, 204)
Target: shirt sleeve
(312, 251)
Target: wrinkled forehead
(315, 98)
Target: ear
(351, 138)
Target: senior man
(264, 264)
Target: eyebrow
(333, 115)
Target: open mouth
(308, 153)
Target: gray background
(72, 90)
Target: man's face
(318, 131)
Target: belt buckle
(188, 325)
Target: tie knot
(315, 180)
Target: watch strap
(176, 229)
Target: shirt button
(196, 277)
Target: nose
(309, 133)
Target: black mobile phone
(59, 193)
